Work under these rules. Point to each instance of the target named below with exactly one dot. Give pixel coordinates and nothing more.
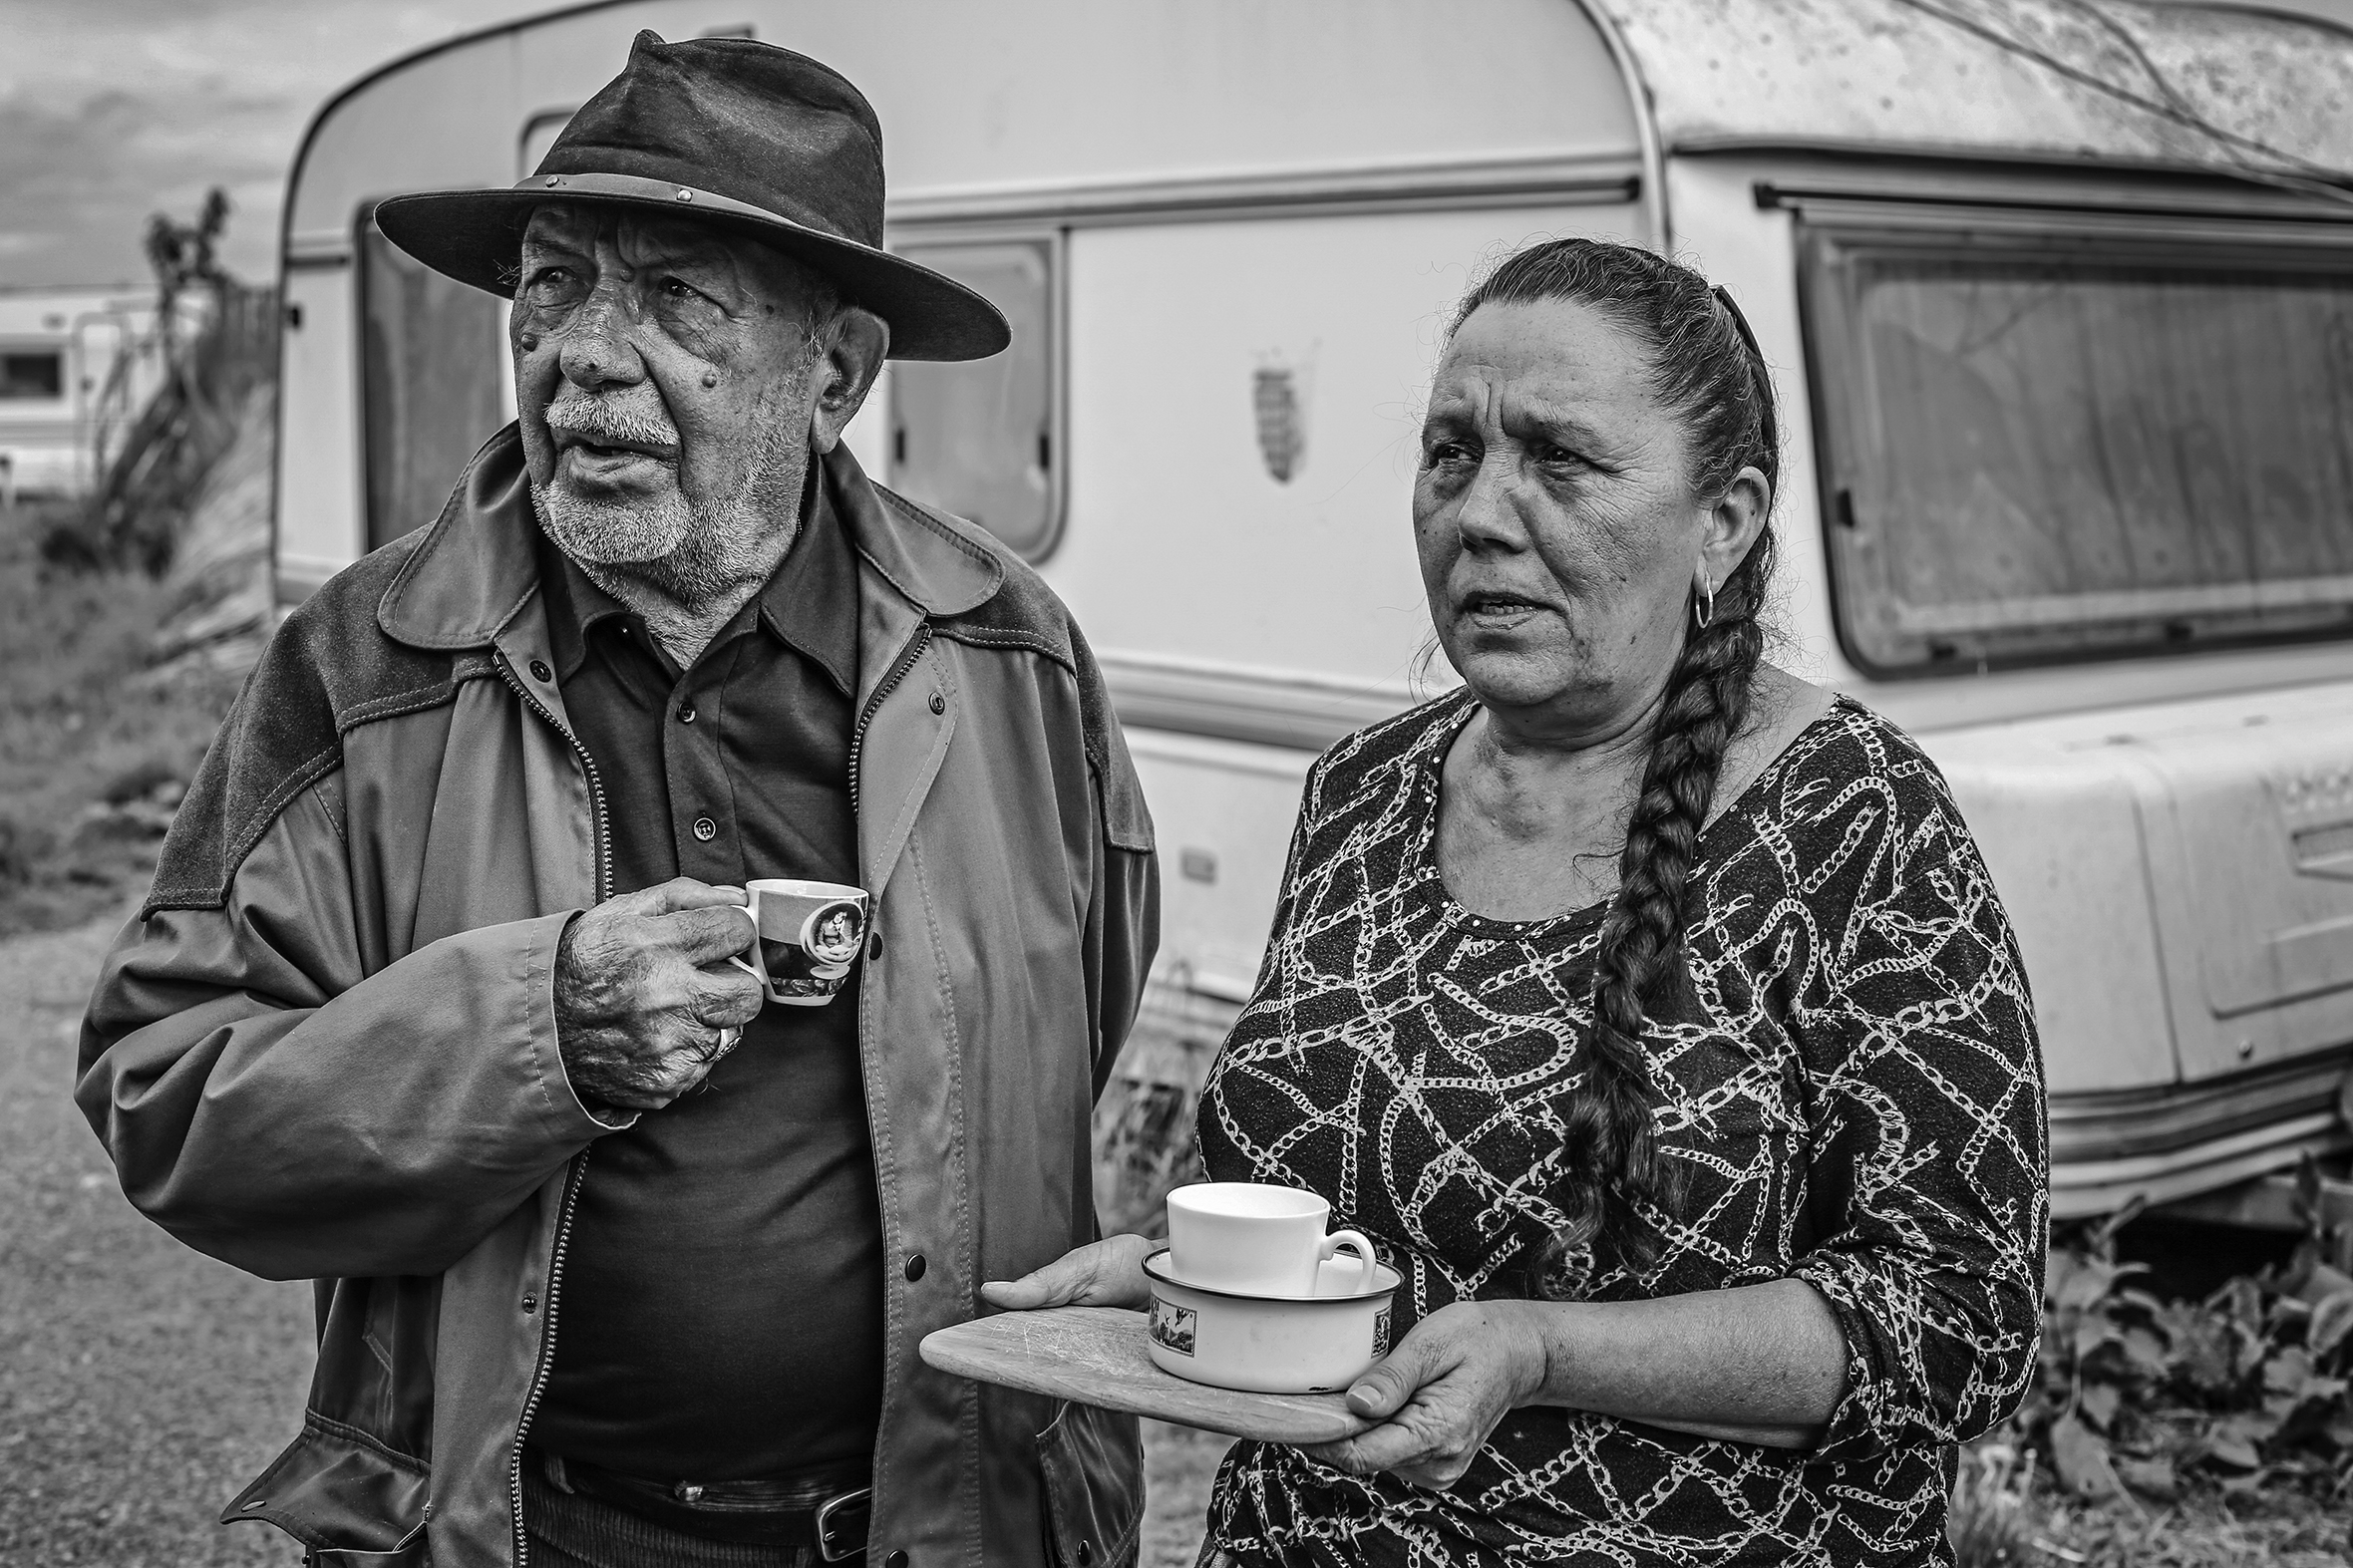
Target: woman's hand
(1442, 1391)
(1106, 1273)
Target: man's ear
(856, 344)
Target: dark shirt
(721, 1308)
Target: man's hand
(1106, 1273)
(1442, 1391)
(642, 990)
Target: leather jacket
(326, 1046)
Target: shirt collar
(809, 601)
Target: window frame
(47, 348)
(1830, 233)
(910, 240)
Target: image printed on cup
(811, 934)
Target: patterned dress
(1851, 1085)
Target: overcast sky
(111, 110)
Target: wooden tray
(1096, 1356)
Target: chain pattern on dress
(1851, 1081)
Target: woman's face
(1558, 535)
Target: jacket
(325, 1048)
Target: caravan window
(32, 375)
(2039, 445)
(980, 438)
(430, 375)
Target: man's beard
(690, 551)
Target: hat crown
(739, 118)
(752, 139)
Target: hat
(737, 133)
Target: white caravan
(76, 364)
(2059, 297)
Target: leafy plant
(2245, 1389)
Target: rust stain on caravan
(1282, 426)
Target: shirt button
(916, 1268)
(686, 715)
(706, 830)
(939, 704)
(874, 947)
(1085, 1554)
(541, 671)
(531, 1304)
(895, 1560)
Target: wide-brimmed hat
(730, 131)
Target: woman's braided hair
(1705, 366)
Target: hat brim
(475, 238)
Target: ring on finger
(722, 1042)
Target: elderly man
(432, 1000)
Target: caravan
(2060, 303)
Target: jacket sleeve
(1930, 1174)
(270, 1103)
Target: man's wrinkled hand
(1106, 1273)
(643, 989)
(1441, 1392)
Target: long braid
(1704, 364)
(1613, 1132)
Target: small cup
(1258, 1240)
(810, 934)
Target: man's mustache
(614, 419)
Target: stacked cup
(1253, 1293)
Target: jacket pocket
(1092, 1462)
(411, 1553)
(350, 1501)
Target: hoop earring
(1703, 609)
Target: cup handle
(1356, 1242)
(755, 965)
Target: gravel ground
(140, 1384)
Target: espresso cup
(1255, 1240)
(810, 934)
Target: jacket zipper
(602, 830)
(596, 811)
(896, 673)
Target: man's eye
(1552, 457)
(1448, 453)
(552, 286)
(679, 288)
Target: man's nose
(598, 352)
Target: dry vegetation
(95, 749)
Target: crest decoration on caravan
(731, 132)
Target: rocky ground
(140, 1384)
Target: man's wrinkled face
(663, 380)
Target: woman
(1652, 1011)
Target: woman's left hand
(1441, 1392)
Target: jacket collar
(476, 567)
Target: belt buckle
(854, 1503)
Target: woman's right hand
(1106, 1273)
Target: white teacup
(810, 934)
(1258, 1240)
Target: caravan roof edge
(361, 83)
